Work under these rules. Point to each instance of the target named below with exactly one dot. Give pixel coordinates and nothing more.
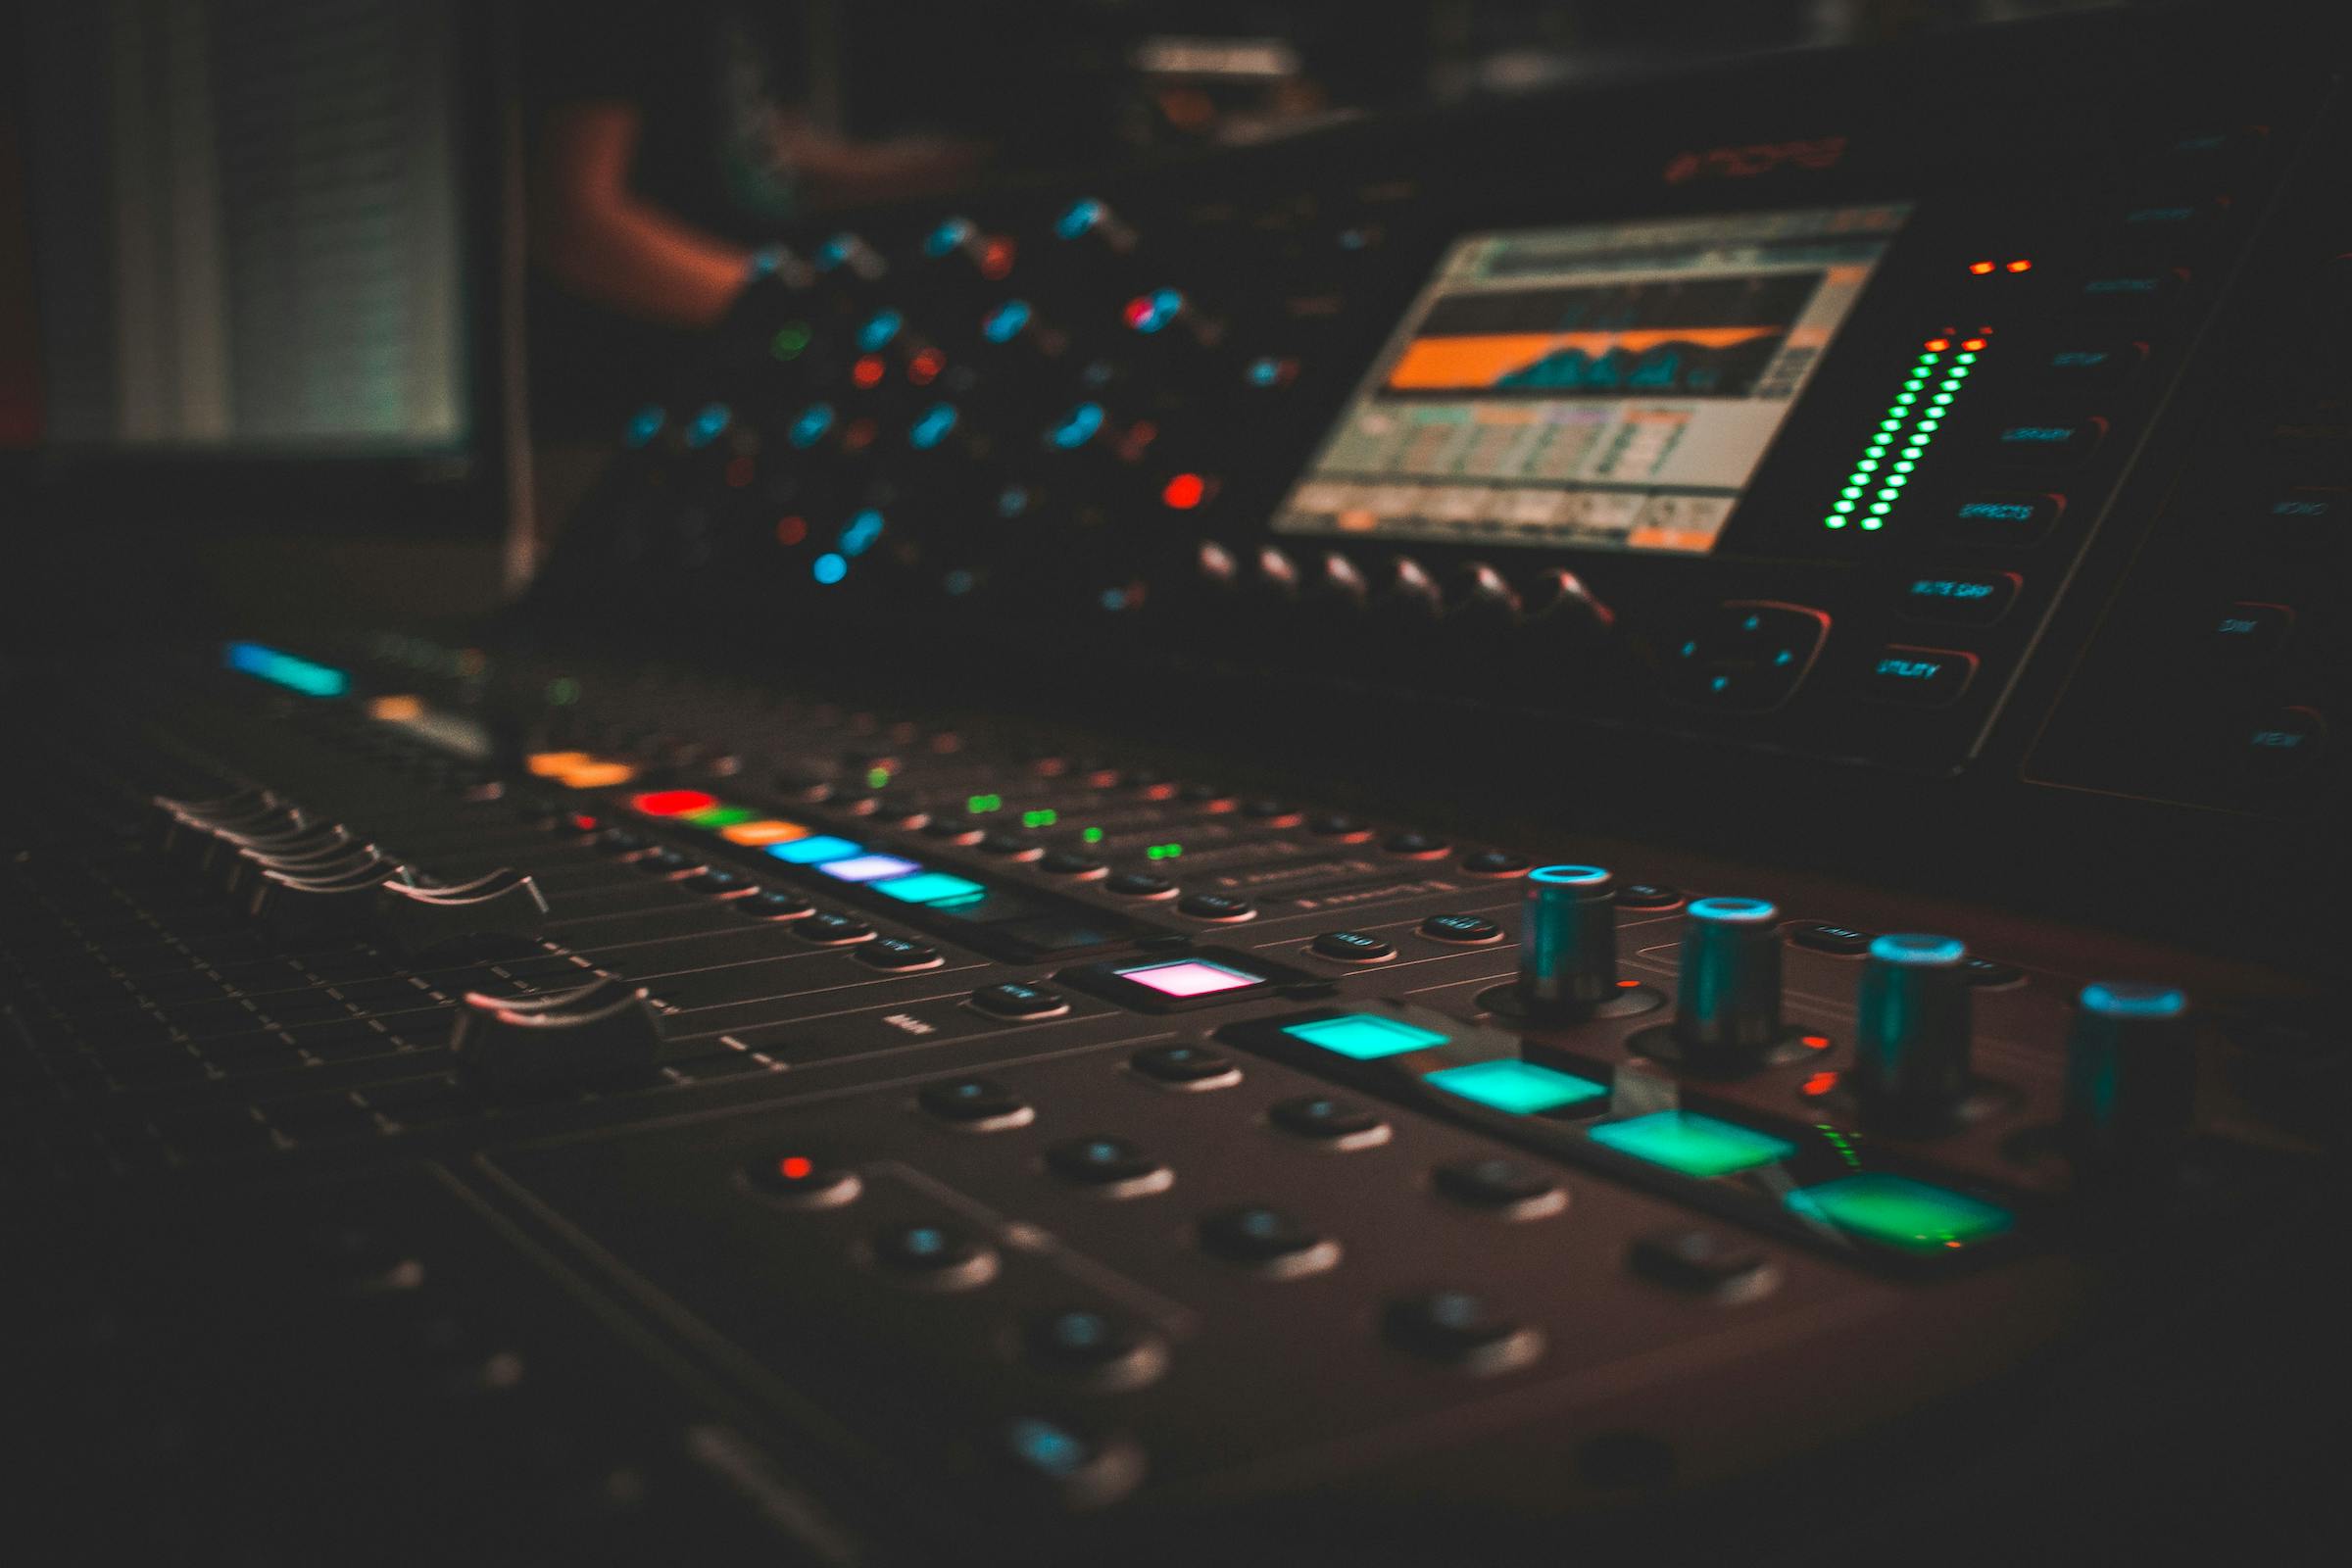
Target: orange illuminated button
(674, 802)
(767, 830)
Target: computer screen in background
(247, 224)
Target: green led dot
(1852, 492)
(1915, 383)
(1876, 449)
(1891, 425)
(1906, 400)
(1958, 372)
(1896, 481)
(1966, 358)
(1905, 467)
(1865, 466)
(1093, 835)
(1873, 525)
(1879, 509)
(1942, 399)
(1842, 506)
(1931, 424)
(1833, 523)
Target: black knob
(1277, 578)
(1557, 602)
(562, 1037)
(503, 908)
(1335, 586)
(1483, 599)
(1727, 995)
(1567, 941)
(1911, 1034)
(2130, 1078)
(1405, 593)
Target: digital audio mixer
(1600, 828)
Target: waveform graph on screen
(1711, 337)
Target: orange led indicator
(1979, 267)
(1936, 345)
(868, 372)
(996, 257)
(2021, 264)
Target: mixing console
(1358, 852)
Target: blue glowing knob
(1911, 1034)
(2130, 1078)
(1567, 941)
(1728, 994)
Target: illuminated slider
(281, 668)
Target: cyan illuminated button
(816, 850)
(1897, 1212)
(1694, 1145)
(1365, 1037)
(929, 886)
(1519, 1087)
(285, 670)
(868, 867)
(1922, 677)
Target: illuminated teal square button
(1520, 1086)
(1364, 1035)
(816, 848)
(1694, 1145)
(928, 887)
(1897, 1212)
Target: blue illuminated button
(1081, 216)
(951, 234)
(2008, 519)
(709, 425)
(2305, 519)
(1365, 1037)
(861, 532)
(2048, 443)
(1083, 1471)
(2249, 633)
(1899, 1212)
(285, 670)
(931, 426)
(1519, 1087)
(929, 886)
(814, 850)
(1003, 323)
(810, 426)
(878, 329)
(1077, 427)
(1921, 677)
(1973, 598)
(829, 567)
(1695, 1146)
(643, 426)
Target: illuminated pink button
(1190, 977)
(868, 867)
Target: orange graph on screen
(1438, 364)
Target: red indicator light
(674, 802)
(1139, 311)
(796, 1167)
(1629, 985)
(1979, 267)
(1972, 344)
(925, 367)
(1820, 1083)
(868, 372)
(2021, 264)
(581, 822)
(790, 530)
(1938, 344)
(1816, 1041)
(739, 473)
(996, 257)
(1184, 492)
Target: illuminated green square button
(1364, 1035)
(1694, 1145)
(929, 886)
(718, 816)
(1520, 1086)
(1897, 1212)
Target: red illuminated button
(802, 1180)
(674, 802)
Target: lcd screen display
(1608, 386)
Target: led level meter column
(1904, 434)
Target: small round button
(674, 865)
(1330, 1123)
(802, 1180)
(1496, 863)
(1140, 885)
(1010, 998)
(1012, 846)
(829, 930)
(1225, 908)
(1084, 867)
(1273, 813)
(1498, 1185)
(619, 841)
(1979, 971)
(897, 954)
(770, 905)
(1463, 930)
(1647, 896)
(1095, 1348)
(935, 1255)
(1267, 1239)
(721, 883)
(1415, 845)
(1353, 946)
(1338, 825)
(951, 830)
(1186, 1066)
(1111, 1167)
(1460, 1329)
(1704, 1262)
(975, 1104)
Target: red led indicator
(2021, 264)
(1184, 492)
(1629, 985)
(868, 372)
(739, 473)
(1972, 344)
(674, 802)
(924, 369)
(1816, 1041)
(1820, 1083)
(1979, 269)
(796, 1167)
(1139, 311)
(1938, 344)
(790, 530)
(996, 257)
